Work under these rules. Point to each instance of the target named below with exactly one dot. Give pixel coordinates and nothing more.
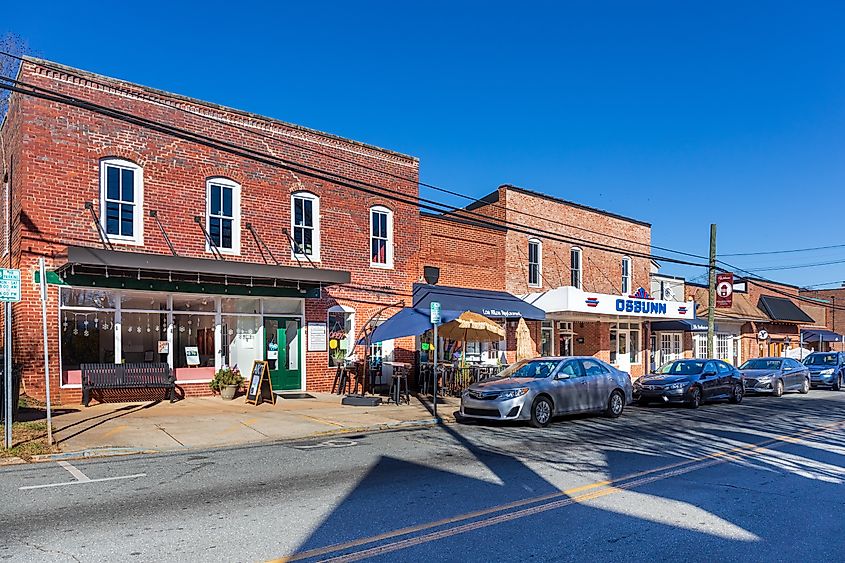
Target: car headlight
(676, 386)
(764, 378)
(826, 371)
(513, 393)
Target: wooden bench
(126, 376)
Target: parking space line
(81, 478)
(79, 475)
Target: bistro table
(399, 377)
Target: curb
(11, 461)
(115, 451)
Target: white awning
(573, 300)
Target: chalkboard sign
(260, 387)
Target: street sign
(762, 334)
(724, 290)
(435, 313)
(10, 285)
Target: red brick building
(166, 248)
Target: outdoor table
(400, 374)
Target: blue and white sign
(435, 312)
(638, 304)
(10, 285)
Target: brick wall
(56, 151)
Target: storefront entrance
(283, 352)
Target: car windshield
(762, 363)
(683, 367)
(531, 368)
(820, 360)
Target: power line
(482, 220)
(796, 266)
(157, 100)
(785, 251)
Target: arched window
(381, 237)
(575, 267)
(626, 275)
(223, 214)
(122, 201)
(305, 225)
(535, 262)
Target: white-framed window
(722, 346)
(535, 262)
(625, 343)
(671, 346)
(305, 225)
(122, 201)
(223, 214)
(381, 237)
(700, 345)
(575, 267)
(626, 275)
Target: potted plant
(227, 381)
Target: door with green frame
(283, 352)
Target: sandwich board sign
(260, 386)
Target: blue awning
(820, 335)
(408, 322)
(492, 304)
(681, 325)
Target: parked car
(775, 375)
(827, 369)
(690, 382)
(537, 390)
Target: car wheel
(694, 397)
(805, 387)
(643, 402)
(541, 412)
(736, 396)
(838, 385)
(778, 390)
(615, 404)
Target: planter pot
(227, 392)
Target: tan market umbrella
(525, 348)
(471, 327)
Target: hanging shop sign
(762, 335)
(724, 290)
(260, 388)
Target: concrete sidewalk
(210, 421)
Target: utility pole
(711, 291)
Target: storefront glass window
(238, 305)
(140, 333)
(547, 333)
(340, 336)
(97, 298)
(193, 333)
(241, 345)
(625, 343)
(85, 338)
(282, 306)
(144, 301)
(194, 303)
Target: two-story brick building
(163, 245)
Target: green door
(283, 352)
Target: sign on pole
(435, 312)
(10, 292)
(724, 290)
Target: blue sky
(675, 114)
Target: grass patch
(28, 439)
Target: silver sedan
(536, 390)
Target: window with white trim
(381, 237)
(700, 345)
(305, 225)
(722, 347)
(535, 262)
(626, 275)
(122, 200)
(575, 267)
(223, 214)
(671, 347)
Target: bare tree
(14, 45)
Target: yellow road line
(605, 488)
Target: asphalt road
(762, 481)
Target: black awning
(820, 335)
(782, 309)
(493, 304)
(679, 325)
(83, 261)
